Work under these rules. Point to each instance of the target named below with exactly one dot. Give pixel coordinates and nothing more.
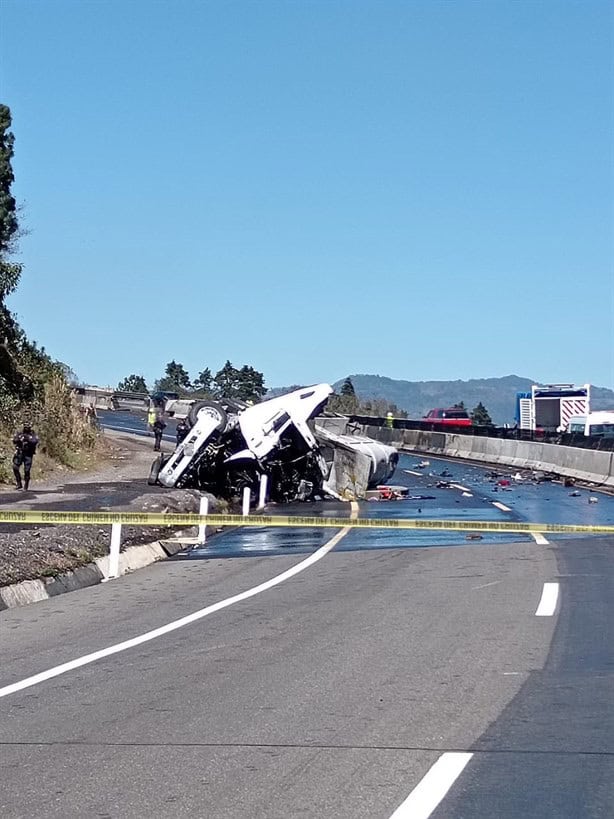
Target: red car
(454, 416)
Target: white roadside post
(202, 527)
(116, 536)
(264, 482)
(246, 498)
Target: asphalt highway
(385, 676)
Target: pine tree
(481, 416)
(347, 388)
(133, 383)
(175, 379)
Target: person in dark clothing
(181, 431)
(25, 448)
(158, 429)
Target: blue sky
(421, 190)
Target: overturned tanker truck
(231, 445)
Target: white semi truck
(231, 446)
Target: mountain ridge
(498, 395)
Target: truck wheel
(210, 408)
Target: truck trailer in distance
(550, 407)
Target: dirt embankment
(117, 481)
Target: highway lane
(334, 693)
(550, 753)
(330, 695)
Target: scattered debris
(593, 499)
(388, 493)
(473, 536)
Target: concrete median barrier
(587, 465)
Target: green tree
(175, 379)
(133, 383)
(481, 416)
(11, 380)
(347, 388)
(246, 383)
(203, 382)
(226, 381)
(250, 384)
(23, 366)
(9, 225)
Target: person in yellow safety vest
(389, 420)
(151, 418)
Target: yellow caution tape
(160, 519)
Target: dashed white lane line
(458, 486)
(411, 472)
(175, 624)
(429, 792)
(539, 539)
(547, 604)
(501, 506)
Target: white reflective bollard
(202, 527)
(246, 499)
(264, 484)
(116, 536)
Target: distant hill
(498, 395)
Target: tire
(211, 408)
(156, 466)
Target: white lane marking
(429, 792)
(486, 585)
(411, 472)
(547, 604)
(458, 486)
(354, 509)
(539, 539)
(175, 624)
(501, 506)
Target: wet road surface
(340, 690)
(470, 496)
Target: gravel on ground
(32, 551)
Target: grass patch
(67, 438)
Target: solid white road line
(539, 539)
(501, 506)
(175, 624)
(429, 792)
(547, 605)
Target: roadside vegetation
(244, 383)
(33, 387)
